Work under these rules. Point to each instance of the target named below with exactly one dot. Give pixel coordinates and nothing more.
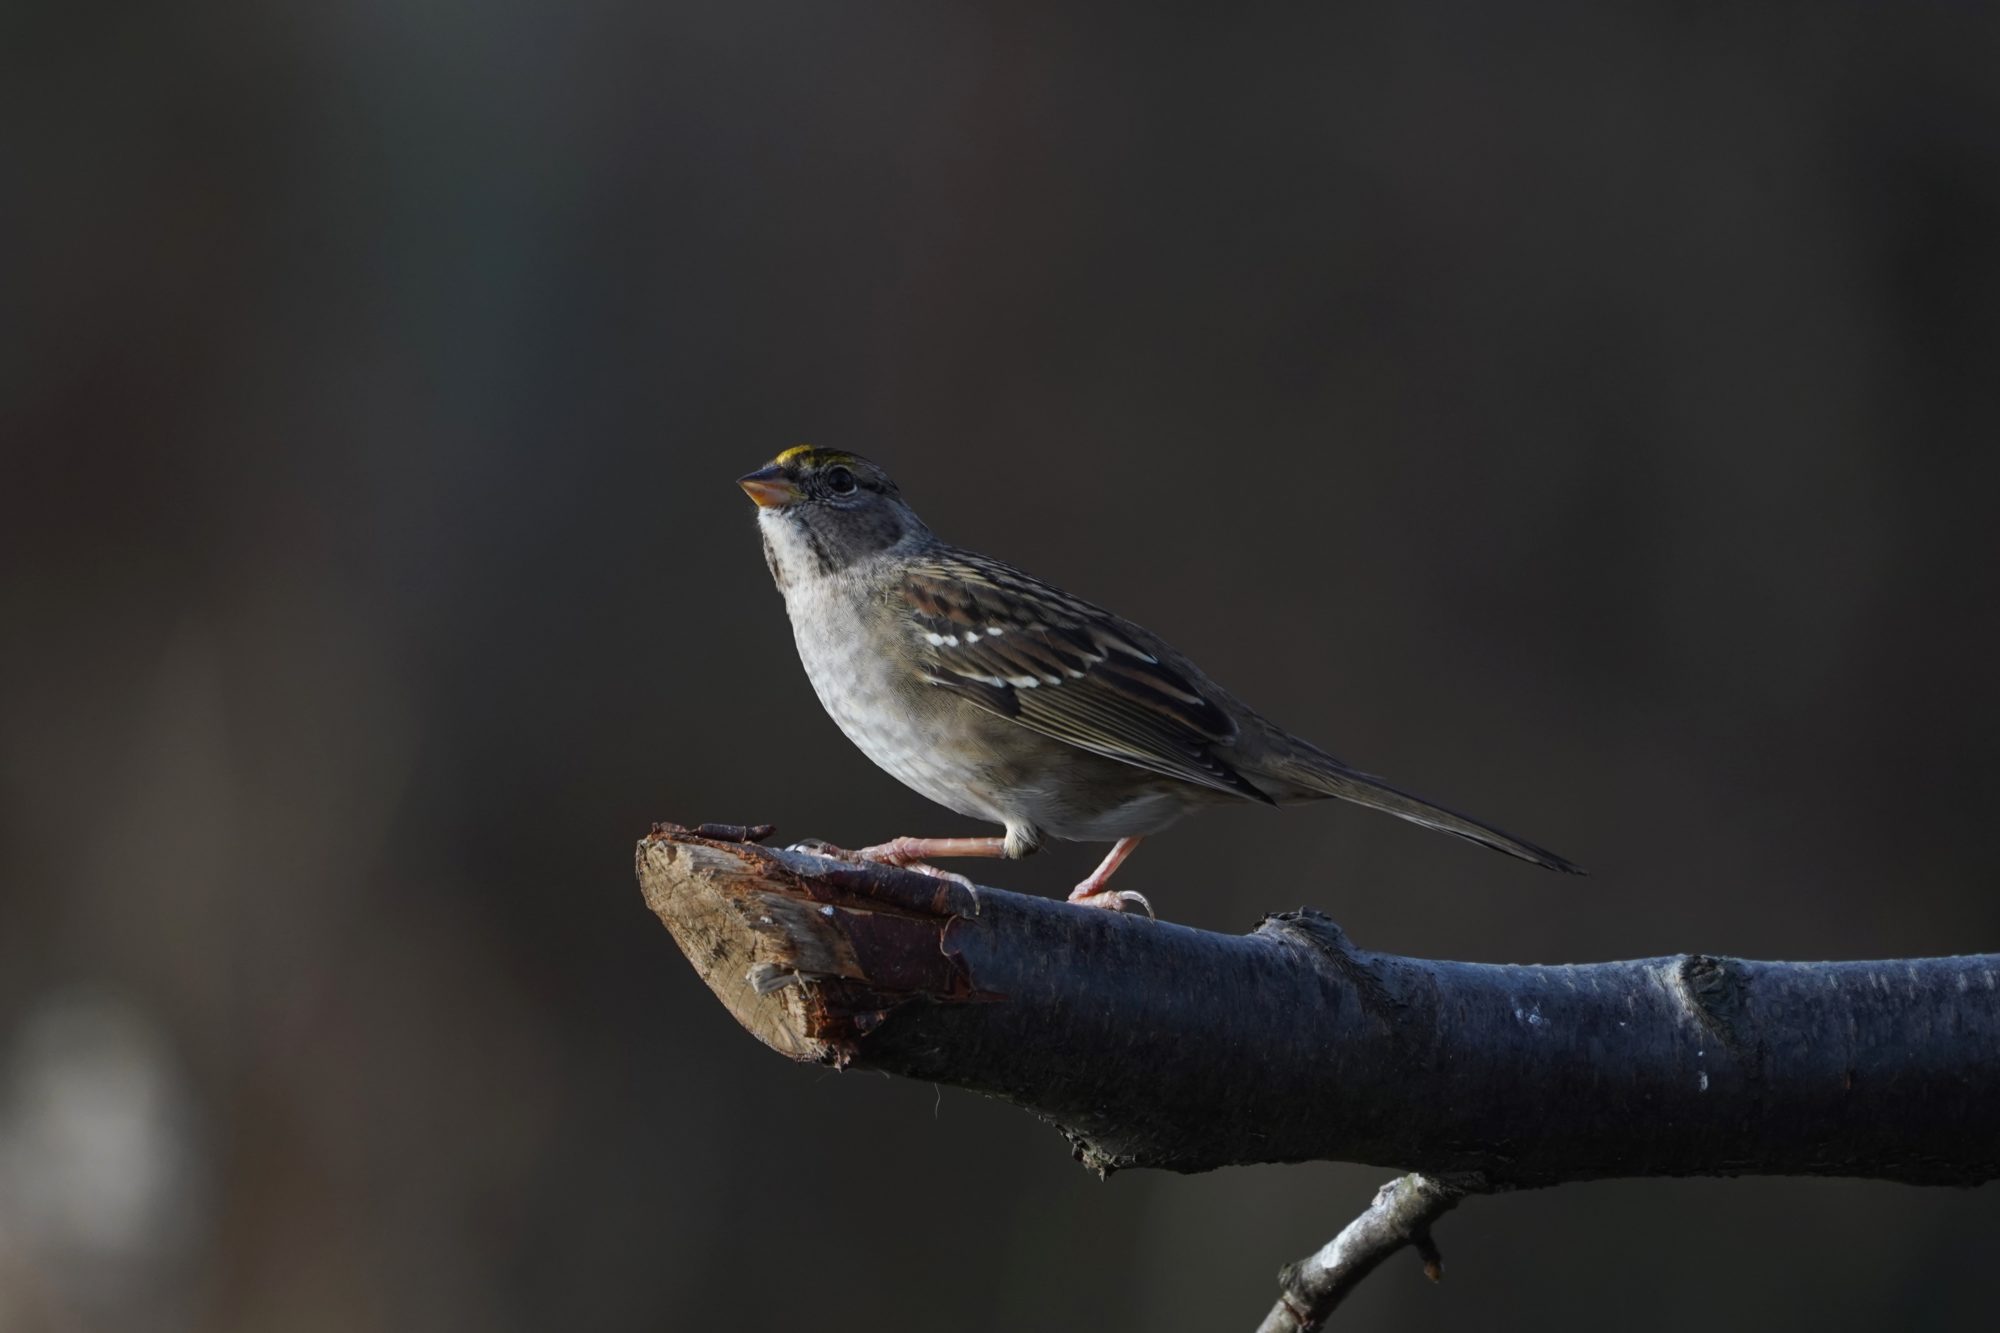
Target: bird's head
(823, 509)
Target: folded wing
(1031, 653)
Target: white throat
(788, 551)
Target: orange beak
(769, 487)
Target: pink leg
(911, 851)
(1092, 893)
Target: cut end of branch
(809, 954)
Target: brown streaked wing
(1033, 654)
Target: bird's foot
(906, 854)
(909, 853)
(1092, 893)
(1087, 894)
(900, 852)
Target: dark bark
(1152, 1044)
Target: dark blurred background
(1585, 416)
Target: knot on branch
(1713, 988)
(1330, 949)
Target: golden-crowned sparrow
(1006, 699)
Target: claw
(950, 877)
(1114, 900)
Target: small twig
(720, 832)
(1401, 1215)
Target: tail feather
(1323, 775)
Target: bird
(1001, 697)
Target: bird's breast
(922, 736)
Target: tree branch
(1152, 1044)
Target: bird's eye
(840, 481)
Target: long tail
(1320, 773)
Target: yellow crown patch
(806, 455)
